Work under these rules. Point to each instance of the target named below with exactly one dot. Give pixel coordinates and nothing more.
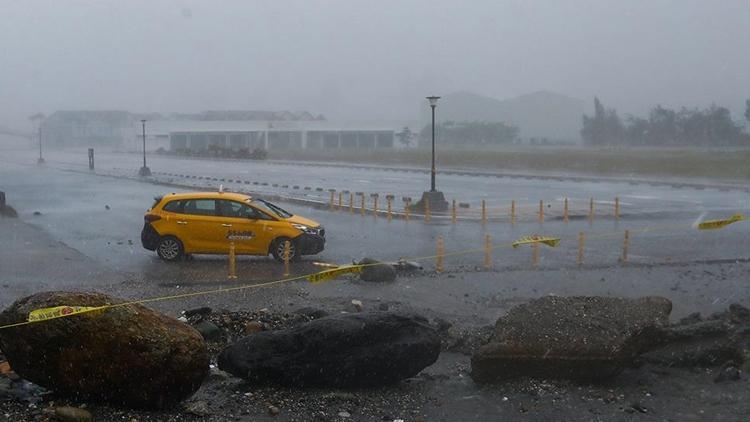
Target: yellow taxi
(180, 224)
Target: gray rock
(584, 338)
(347, 350)
(128, 354)
(739, 314)
(9, 212)
(377, 271)
(705, 343)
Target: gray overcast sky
(366, 59)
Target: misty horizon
(362, 61)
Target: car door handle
(226, 225)
(182, 222)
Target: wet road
(636, 197)
(72, 207)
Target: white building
(276, 135)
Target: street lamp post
(40, 160)
(144, 171)
(433, 103)
(436, 198)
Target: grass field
(704, 164)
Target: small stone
(106, 207)
(273, 410)
(72, 414)
(357, 305)
(383, 307)
(208, 330)
(197, 408)
(37, 213)
(728, 373)
(345, 414)
(253, 327)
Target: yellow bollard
(440, 255)
(232, 262)
(351, 203)
(427, 215)
(487, 252)
(541, 212)
(389, 200)
(374, 205)
(341, 194)
(362, 206)
(591, 210)
(625, 246)
(287, 252)
(484, 212)
(332, 193)
(513, 212)
(617, 207)
(535, 254)
(565, 211)
(581, 245)
(407, 209)
(453, 212)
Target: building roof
(278, 126)
(113, 117)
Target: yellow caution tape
(59, 311)
(549, 241)
(718, 224)
(331, 274)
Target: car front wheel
(277, 249)
(169, 248)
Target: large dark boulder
(128, 355)
(583, 338)
(347, 350)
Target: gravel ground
(462, 302)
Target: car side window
(200, 207)
(174, 206)
(239, 210)
(233, 209)
(257, 214)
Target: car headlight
(308, 230)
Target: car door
(202, 230)
(247, 227)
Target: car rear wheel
(277, 249)
(169, 248)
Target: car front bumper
(310, 244)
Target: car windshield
(273, 209)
